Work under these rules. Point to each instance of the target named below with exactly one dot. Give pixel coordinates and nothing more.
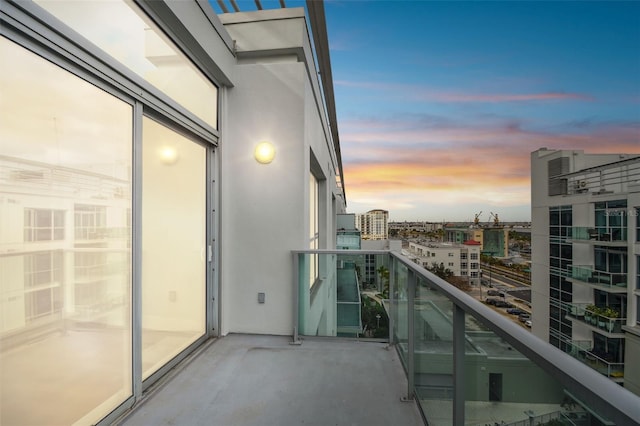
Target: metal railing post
(411, 294)
(392, 299)
(458, 366)
(296, 296)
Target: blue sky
(440, 103)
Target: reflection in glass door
(173, 244)
(65, 283)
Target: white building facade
(461, 259)
(586, 258)
(136, 219)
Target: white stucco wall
(262, 205)
(264, 212)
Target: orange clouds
(421, 93)
(404, 165)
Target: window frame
(32, 28)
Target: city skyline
(441, 103)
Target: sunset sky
(440, 103)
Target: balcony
(601, 235)
(613, 282)
(598, 360)
(243, 380)
(464, 363)
(447, 359)
(601, 319)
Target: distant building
(347, 235)
(494, 240)
(415, 226)
(586, 258)
(462, 259)
(373, 225)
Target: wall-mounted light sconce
(168, 155)
(265, 152)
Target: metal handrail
(589, 386)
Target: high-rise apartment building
(374, 224)
(586, 258)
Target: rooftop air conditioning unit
(580, 185)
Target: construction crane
(496, 221)
(476, 220)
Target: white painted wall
(264, 212)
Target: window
(560, 222)
(450, 263)
(71, 141)
(174, 240)
(463, 265)
(43, 225)
(473, 256)
(89, 264)
(474, 265)
(314, 233)
(89, 221)
(42, 281)
(463, 256)
(474, 274)
(611, 220)
(126, 33)
(450, 254)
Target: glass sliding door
(65, 283)
(173, 244)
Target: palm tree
(384, 277)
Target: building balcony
(601, 362)
(444, 359)
(613, 282)
(600, 319)
(244, 380)
(600, 235)
(464, 363)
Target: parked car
(502, 304)
(493, 293)
(528, 323)
(515, 311)
(524, 317)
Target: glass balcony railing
(601, 234)
(607, 319)
(600, 361)
(465, 363)
(590, 275)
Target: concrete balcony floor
(247, 380)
